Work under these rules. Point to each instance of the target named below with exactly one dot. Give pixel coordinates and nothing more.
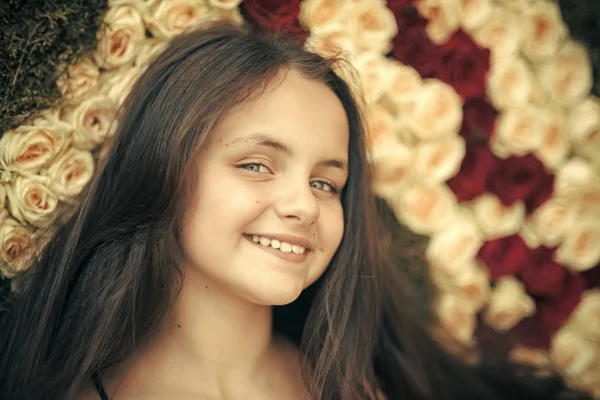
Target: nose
(297, 202)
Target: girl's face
(267, 215)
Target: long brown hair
(103, 284)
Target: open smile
(285, 250)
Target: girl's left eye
(324, 186)
(255, 167)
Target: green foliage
(38, 38)
(583, 19)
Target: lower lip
(291, 256)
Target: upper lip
(291, 239)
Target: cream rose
(584, 128)
(117, 85)
(426, 208)
(331, 41)
(529, 356)
(79, 80)
(571, 352)
(579, 184)
(14, 241)
(495, 219)
(456, 316)
(170, 18)
(473, 13)
(567, 78)
(500, 33)
(580, 249)
(405, 83)
(373, 74)
(440, 159)
(30, 147)
(573, 176)
(372, 25)
(70, 173)
(586, 318)
(120, 41)
(391, 169)
(498, 148)
(94, 120)
(551, 221)
(148, 52)
(518, 130)
(224, 4)
(589, 378)
(31, 200)
(2, 198)
(543, 29)
(380, 128)
(435, 111)
(454, 248)
(442, 19)
(232, 16)
(473, 286)
(318, 14)
(517, 5)
(508, 305)
(554, 146)
(587, 201)
(510, 83)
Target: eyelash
(333, 190)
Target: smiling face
(267, 216)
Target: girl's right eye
(255, 167)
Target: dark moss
(583, 19)
(4, 292)
(37, 37)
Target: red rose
(517, 178)
(504, 256)
(542, 193)
(479, 120)
(554, 312)
(543, 276)
(592, 277)
(397, 5)
(412, 46)
(464, 65)
(470, 181)
(273, 15)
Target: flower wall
(482, 132)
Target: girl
(229, 249)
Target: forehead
(296, 110)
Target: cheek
(331, 231)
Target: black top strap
(99, 387)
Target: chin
(275, 295)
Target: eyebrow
(261, 139)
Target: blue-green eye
(255, 167)
(324, 186)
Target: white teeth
(285, 247)
(276, 244)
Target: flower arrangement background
(483, 134)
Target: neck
(217, 329)
(211, 340)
